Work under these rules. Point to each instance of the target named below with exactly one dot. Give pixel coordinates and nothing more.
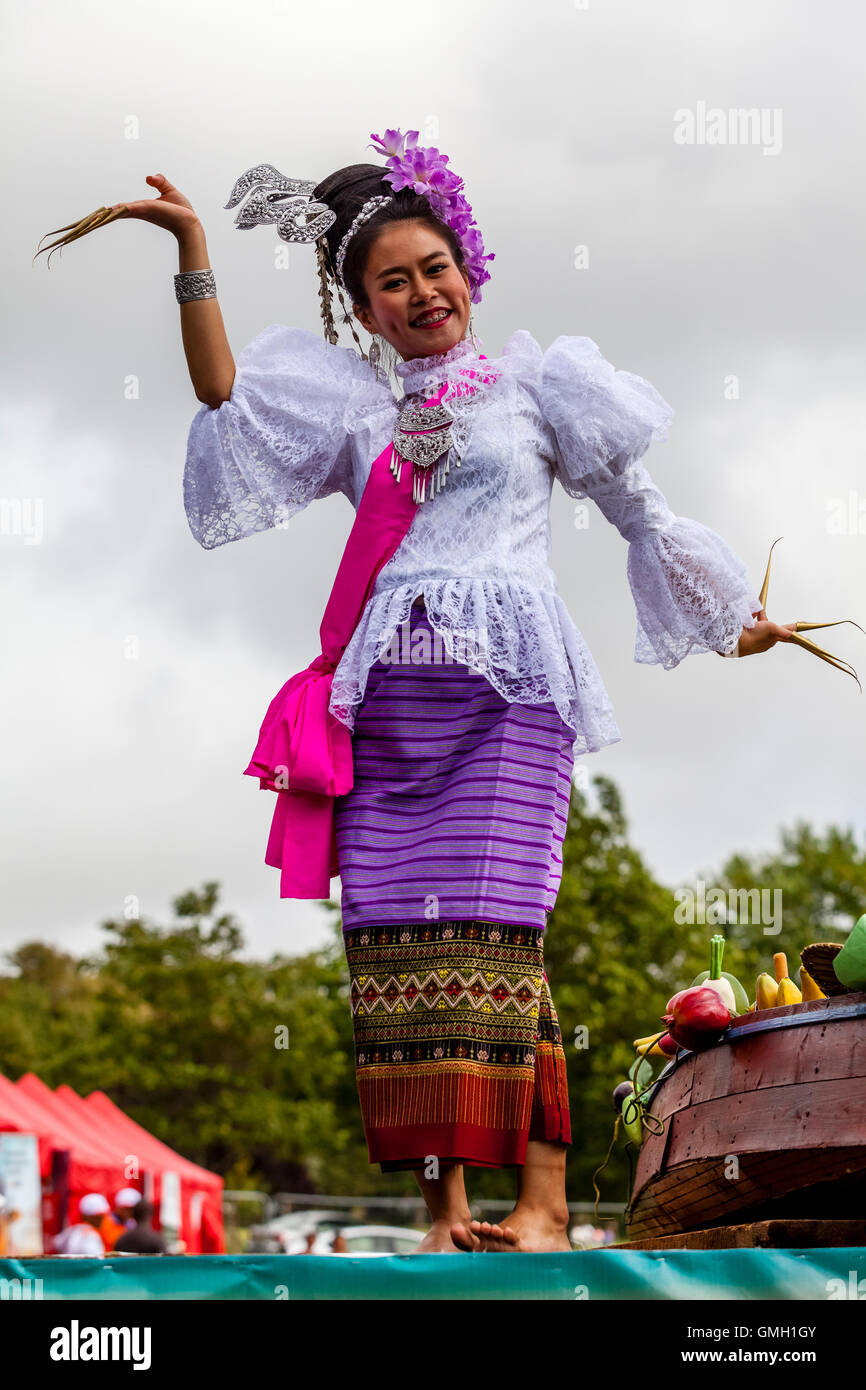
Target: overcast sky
(138, 666)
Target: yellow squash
(810, 989)
(766, 990)
(788, 993)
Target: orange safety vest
(111, 1231)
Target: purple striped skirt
(460, 799)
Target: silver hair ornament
(372, 205)
(276, 199)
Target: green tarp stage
(823, 1275)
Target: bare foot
(438, 1240)
(492, 1236)
(527, 1232)
(464, 1237)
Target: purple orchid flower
(391, 143)
(424, 169)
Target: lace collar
(419, 372)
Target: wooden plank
(696, 1193)
(776, 1234)
(819, 1052)
(703, 1183)
(807, 1006)
(832, 1114)
(651, 1159)
(675, 1091)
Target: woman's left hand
(764, 635)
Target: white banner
(21, 1193)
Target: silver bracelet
(735, 652)
(194, 284)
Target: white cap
(93, 1204)
(127, 1197)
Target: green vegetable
(640, 1074)
(850, 963)
(631, 1120)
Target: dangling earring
(374, 357)
(472, 332)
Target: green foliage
(185, 1033)
(190, 1039)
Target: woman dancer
(427, 754)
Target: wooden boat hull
(758, 1124)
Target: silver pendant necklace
(422, 436)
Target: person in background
(121, 1219)
(83, 1238)
(141, 1238)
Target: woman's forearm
(208, 355)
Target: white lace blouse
(306, 419)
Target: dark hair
(142, 1211)
(345, 192)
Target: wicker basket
(818, 960)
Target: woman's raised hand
(764, 635)
(208, 355)
(170, 209)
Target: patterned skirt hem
(458, 1050)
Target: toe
(463, 1237)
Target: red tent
(70, 1162)
(104, 1161)
(18, 1112)
(200, 1191)
(106, 1150)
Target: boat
(769, 1122)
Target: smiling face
(418, 298)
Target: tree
(248, 1066)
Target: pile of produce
(776, 993)
(698, 1018)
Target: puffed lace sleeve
(279, 442)
(691, 591)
